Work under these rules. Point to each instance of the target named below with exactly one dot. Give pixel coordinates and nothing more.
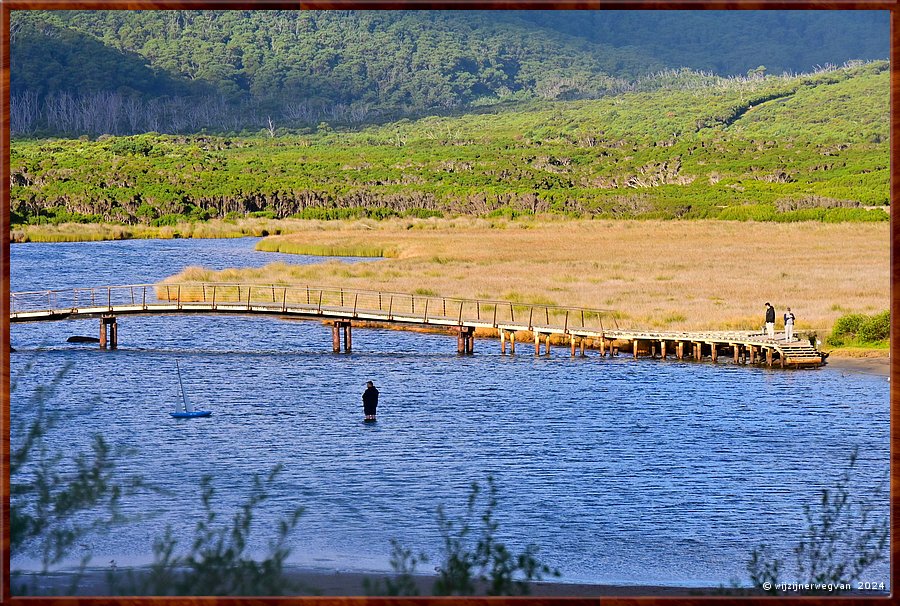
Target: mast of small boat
(188, 407)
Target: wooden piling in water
(662, 347)
(502, 341)
(109, 332)
(335, 338)
(465, 339)
(348, 338)
(512, 342)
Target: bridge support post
(634, 345)
(465, 339)
(662, 348)
(109, 330)
(512, 342)
(537, 343)
(336, 327)
(769, 357)
(582, 346)
(680, 350)
(737, 351)
(572, 345)
(547, 350)
(752, 354)
(502, 341)
(715, 352)
(602, 347)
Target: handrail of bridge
(352, 302)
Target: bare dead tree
(24, 112)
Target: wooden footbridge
(343, 308)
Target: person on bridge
(770, 320)
(370, 401)
(789, 325)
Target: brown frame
(9, 5)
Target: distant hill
(120, 72)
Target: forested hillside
(730, 43)
(121, 72)
(769, 148)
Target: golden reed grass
(665, 275)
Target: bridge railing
(318, 300)
(82, 298)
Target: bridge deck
(340, 305)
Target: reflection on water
(621, 471)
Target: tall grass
(721, 272)
(302, 248)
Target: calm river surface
(625, 472)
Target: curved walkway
(342, 307)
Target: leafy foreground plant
(489, 566)
(50, 495)
(216, 563)
(843, 539)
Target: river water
(621, 471)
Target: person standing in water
(370, 401)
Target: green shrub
(168, 220)
(861, 330)
(134, 146)
(876, 328)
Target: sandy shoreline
(311, 582)
(879, 365)
(321, 582)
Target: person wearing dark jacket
(770, 320)
(370, 401)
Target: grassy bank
(215, 228)
(656, 274)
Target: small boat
(185, 409)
